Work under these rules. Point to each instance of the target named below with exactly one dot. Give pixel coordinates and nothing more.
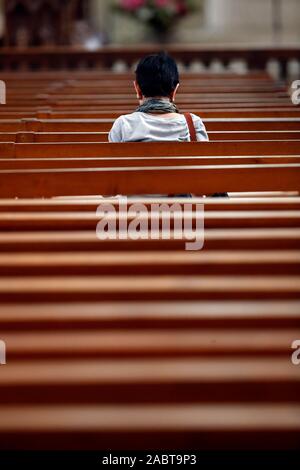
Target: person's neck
(157, 105)
(160, 98)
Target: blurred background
(92, 23)
(214, 35)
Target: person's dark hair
(157, 75)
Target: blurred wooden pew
(115, 342)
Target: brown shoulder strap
(191, 126)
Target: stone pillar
(240, 18)
(99, 14)
(251, 20)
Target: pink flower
(182, 8)
(132, 5)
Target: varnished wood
(204, 179)
(163, 316)
(120, 341)
(41, 137)
(146, 263)
(156, 149)
(91, 288)
(182, 426)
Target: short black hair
(157, 75)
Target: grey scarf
(156, 106)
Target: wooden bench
(250, 125)
(111, 342)
(155, 149)
(48, 137)
(102, 114)
(202, 177)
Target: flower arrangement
(159, 15)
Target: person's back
(145, 127)
(157, 117)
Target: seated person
(157, 117)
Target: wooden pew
(152, 263)
(147, 288)
(41, 137)
(161, 316)
(203, 179)
(121, 341)
(280, 112)
(88, 220)
(155, 149)
(128, 162)
(140, 343)
(104, 125)
(249, 426)
(85, 240)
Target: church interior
(149, 290)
